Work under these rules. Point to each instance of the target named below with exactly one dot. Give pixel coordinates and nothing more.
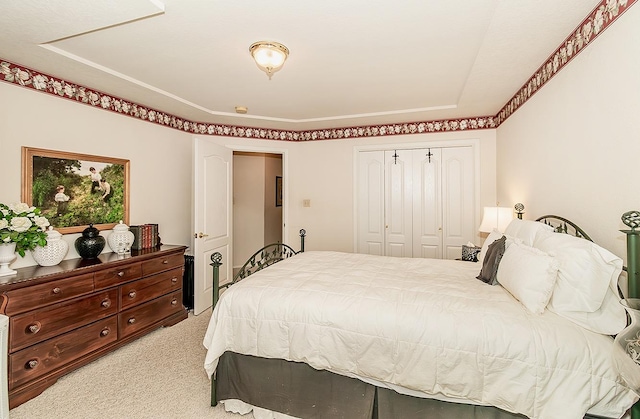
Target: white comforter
(422, 324)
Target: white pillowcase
(526, 230)
(586, 271)
(587, 288)
(529, 275)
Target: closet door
(427, 203)
(370, 199)
(458, 199)
(398, 203)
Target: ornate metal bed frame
(268, 255)
(276, 252)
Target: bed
(330, 334)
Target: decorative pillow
(493, 236)
(529, 275)
(526, 230)
(492, 261)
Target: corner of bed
(374, 390)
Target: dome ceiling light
(269, 56)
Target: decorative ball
(519, 207)
(631, 219)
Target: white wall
(160, 157)
(574, 148)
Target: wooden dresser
(65, 316)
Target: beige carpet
(159, 376)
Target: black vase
(90, 244)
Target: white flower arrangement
(23, 225)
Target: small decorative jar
(90, 244)
(121, 239)
(53, 253)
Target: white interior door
(398, 203)
(427, 203)
(458, 199)
(370, 203)
(212, 217)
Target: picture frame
(278, 191)
(71, 196)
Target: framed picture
(74, 190)
(278, 191)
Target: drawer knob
(164, 262)
(104, 331)
(132, 320)
(121, 274)
(174, 280)
(106, 303)
(132, 294)
(32, 364)
(174, 301)
(57, 290)
(34, 327)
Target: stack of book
(145, 236)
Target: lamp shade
(495, 217)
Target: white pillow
(526, 230)
(585, 271)
(529, 275)
(587, 288)
(493, 236)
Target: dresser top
(34, 274)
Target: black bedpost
(303, 233)
(216, 262)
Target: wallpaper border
(602, 16)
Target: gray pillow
(489, 271)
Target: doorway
(257, 203)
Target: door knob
(200, 235)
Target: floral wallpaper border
(598, 20)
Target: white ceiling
(352, 62)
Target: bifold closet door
(458, 200)
(398, 203)
(427, 203)
(370, 198)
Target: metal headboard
(562, 225)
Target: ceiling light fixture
(269, 56)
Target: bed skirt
(298, 390)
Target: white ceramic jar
(121, 239)
(53, 253)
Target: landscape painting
(74, 190)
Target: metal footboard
(267, 256)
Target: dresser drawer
(160, 264)
(151, 287)
(44, 357)
(26, 299)
(146, 314)
(116, 276)
(30, 328)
